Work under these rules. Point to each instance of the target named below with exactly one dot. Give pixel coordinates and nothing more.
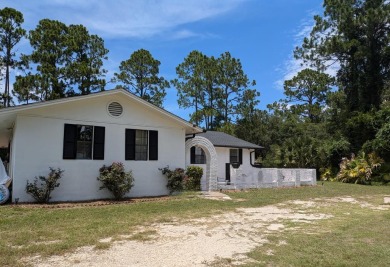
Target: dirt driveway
(197, 242)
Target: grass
(355, 236)
(28, 231)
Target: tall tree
(84, 65)
(197, 86)
(354, 34)
(212, 91)
(139, 75)
(50, 55)
(307, 92)
(214, 87)
(11, 33)
(29, 88)
(233, 82)
(189, 84)
(246, 108)
(65, 61)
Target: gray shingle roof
(225, 140)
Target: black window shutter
(153, 145)
(98, 142)
(70, 138)
(240, 155)
(192, 159)
(227, 171)
(130, 144)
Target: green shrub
(41, 193)
(175, 179)
(359, 169)
(327, 174)
(193, 177)
(115, 179)
(382, 175)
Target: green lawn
(355, 237)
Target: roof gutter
(193, 135)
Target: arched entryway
(211, 159)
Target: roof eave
(183, 122)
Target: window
(83, 142)
(141, 145)
(197, 155)
(235, 155)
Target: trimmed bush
(116, 180)
(192, 179)
(41, 193)
(180, 179)
(175, 179)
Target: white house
(80, 134)
(233, 155)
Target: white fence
(269, 177)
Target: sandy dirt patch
(202, 241)
(198, 242)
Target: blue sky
(261, 33)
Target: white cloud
(184, 33)
(124, 18)
(292, 66)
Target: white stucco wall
(38, 145)
(224, 157)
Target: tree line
(66, 60)
(320, 120)
(323, 119)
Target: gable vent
(115, 109)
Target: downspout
(252, 164)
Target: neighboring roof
(7, 115)
(221, 139)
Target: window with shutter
(141, 145)
(83, 142)
(234, 155)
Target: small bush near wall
(116, 180)
(192, 179)
(41, 193)
(175, 179)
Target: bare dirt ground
(198, 242)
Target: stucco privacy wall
(273, 177)
(38, 145)
(247, 176)
(210, 172)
